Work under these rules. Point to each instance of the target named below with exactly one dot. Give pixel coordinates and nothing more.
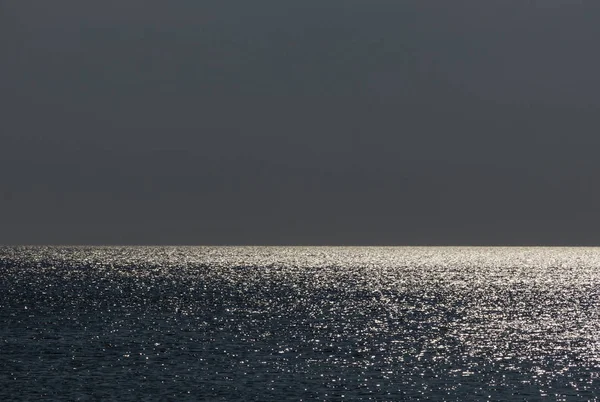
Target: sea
(299, 323)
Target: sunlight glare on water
(291, 323)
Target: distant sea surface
(293, 323)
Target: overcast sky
(368, 122)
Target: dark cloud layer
(314, 122)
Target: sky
(313, 122)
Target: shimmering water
(252, 323)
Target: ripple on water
(275, 323)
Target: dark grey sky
(299, 122)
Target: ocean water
(293, 323)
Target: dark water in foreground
(235, 323)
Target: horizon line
(295, 245)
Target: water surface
(293, 323)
